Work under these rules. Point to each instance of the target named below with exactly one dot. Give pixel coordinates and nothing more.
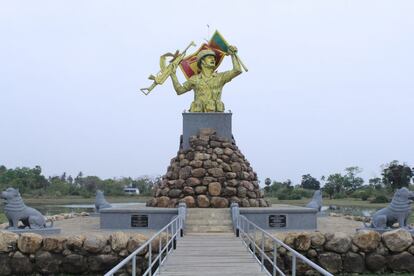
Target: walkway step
(208, 229)
(208, 221)
(210, 254)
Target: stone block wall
(92, 254)
(365, 251)
(95, 254)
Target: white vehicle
(131, 191)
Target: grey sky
(330, 84)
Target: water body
(349, 210)
(49, 210)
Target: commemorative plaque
(277, 221)
(139, 221)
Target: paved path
(208, 254)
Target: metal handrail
(174, 230)
(244, 228)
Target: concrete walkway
(209, 254)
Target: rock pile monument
(211, 173)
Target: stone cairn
(212, 173)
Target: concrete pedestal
(281, 217)
(136, 218)
(193, 121)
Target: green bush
(339, 195)
(380, 199)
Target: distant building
(131, 191)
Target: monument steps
(208, 221)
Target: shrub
(380, 199)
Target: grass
(344, 202)
(81, 200)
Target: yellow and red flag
(217, 44)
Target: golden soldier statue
(199, 69)
(207, 84)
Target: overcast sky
(330, 84)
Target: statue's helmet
(204, 53)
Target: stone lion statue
(16, 211)
(100, 201)
(398, 211)
(316, 202)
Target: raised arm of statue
(179, 89)
(229, 75)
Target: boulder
(188, 191)
(200, 190)
(102, 263)
(216, 172)
(215, 144)
(218, 151)
(189, 201)
(29, 242)
(397, 240)
(229, 191)
(331, 261)
(201, 156)
(53, 244)
(367, 240)
(241, 192)
(228, 151)
(244, 202)
(74, 264)
(8, 241)
(235, 167)
(135, 241)
(196, 163)
(184, 162)
(47, 262)
(199, 172)
(185, 172)
(203, 201)
(21, 264)
(174, 193)
(94, 243)
(248, 185)
(375, 262)
(353, 263)
(192, 181)
(402, 262)
(338, 242)
(235, 199)
(214, 189)
(5, 268)
(253, 202)
(208, 179)
(118, 241)
(231, 175)
(163, 201)
(219, 202)
(302, 241)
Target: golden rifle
(165, 71)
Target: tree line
(394, 175)
(31, 181)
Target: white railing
(171, 233)
(247, 231)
